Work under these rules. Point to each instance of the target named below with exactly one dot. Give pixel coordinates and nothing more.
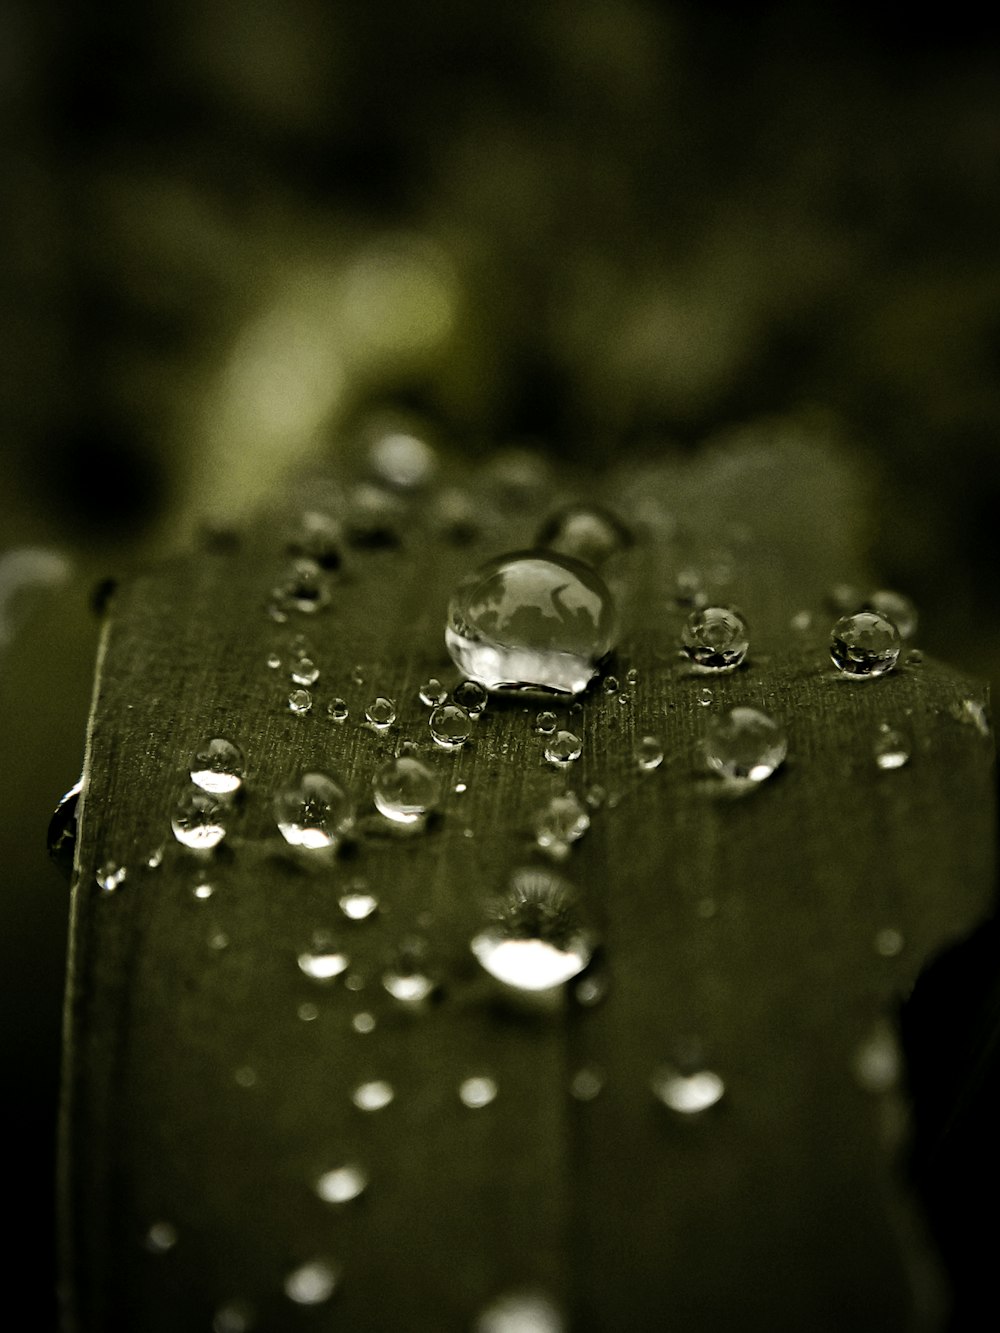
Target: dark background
(228, 229)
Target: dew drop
(300, 702)
(450, 726)
(218, 940)
(801, 621)
(477, 1092)
(914, 658)
(520, 1312)
(715, 638)
(563, 747)
(381, 712)
(323, 964)
(161, 1238)
(155, 858)
(892, 748)
(584, 532)
(363, 1022)
(610, 684)
(218, 767)
(591, 990)
(305, 671)
(545, 722)
(704, 697)
(246, 1076)
(234, 1317)
(564, 820)
(199, 820)
(405, 790)
(531, 620)
(338, 710)
(203, 891)
(358, 905)
(433, 693)
(373, 1096)
(877, 1061)
(889, 943)
(308, 1012)
(649, 753)
(744, 745)
(471, 696)
(896, 607)
(688, 1093)
(632, 676)
(342, 1184)
(586, 1085)
(536, 940)
(865, 645)
(110, 876)
(274, 661)
(402, 460)
(305, 588)
(313, 811)
(312, 1283)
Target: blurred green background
(229, 229)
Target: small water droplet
(461, 787)
(358, 674)
(338, 710)
(584, 532)
(407, 980)
(312, 1283)
(313, 811)
(110, 876)
(596, 796)
(914, 658)
(531, 620)
(545, 722)
(363, 1022)
(381, 712)
(477, 1092)
(401, 459)
(563, 747)
(373, 1095)
(632, 675)
(305, 588)
(610, 684)
(520, 1312)
(889, 942)
(705, 697)
(877, 1061)
(689, 590)
(155, 857)
(688, 1094)
(274, 661)
(354, 981)
(536, 941)
(234, 1317)
(450, 726)
(218, 766)
(308, 1013)
(323, 964)
(801, 621)
(358, 904)
(161, 1238)
(202, 891)
(318, 540)
(218, 940)
(715, 638)
(342, 1184)
(305, 671)
(405, 790)
(649, 753)
(896, 607)
(246, 1076)
(200, 820)
(564, 820)
(471, 696)
(586, 1085)
(300, 702)
(865, 645)
(744, 745)
(591, 990)
(433, 693)
(892, 748)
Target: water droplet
(373, 1096)
(161, 1238)
(306, 588)
(323, 964)
(110, 875)
(358, 905)
(317, 540)
(688, 1093)
(864, 645)
(234, 1317)
(433, 693)
(801, 621)
(450, 726)
(305, 671)
(300, 702)
(218, 940)
(199, 820)
(649, 753)
(342, 1184)
(531, 620)
(715, 638)
(218, 766)
(632, 675)
(591, 990)
(246, 1076)
(611, 685)
(471, 696)
(877, 1062)
(586, 1085)
(895, 607)
(477, 1092)
(563, 821)
(914, 658)
(585, 533)
(407, 980)
(545, 722)
(338, 710)
(536, 941)
(358, 674)
(889, 942)
(203, 891)
(596, 796)
(363, 1022)
(461, 787)
(274, 661)
(307, 1012)
(520, 1312)
(402, 460)
(744, 744)
(312, 1283)
(704, 697)
(406, 790)
(354, 981)
(564, 747)
(155, 857)
(892, 748)
(313, 811)
(381, 712)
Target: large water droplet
(312, 1283)
(477, 1092)
(200, 820)
(520, 1312)
(373, 1095)
(381, 712)
(531, 620)
(744, 745)
(563, 747)
(891, 748)
(342, 1183)
(584, 532)
(864, 645)
(450, 726)
(218, 766)
(536, 941)
(563, 821)
(895, 607)
(688, 1093)
(406, 790)
(716, 638)
(313, 811)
